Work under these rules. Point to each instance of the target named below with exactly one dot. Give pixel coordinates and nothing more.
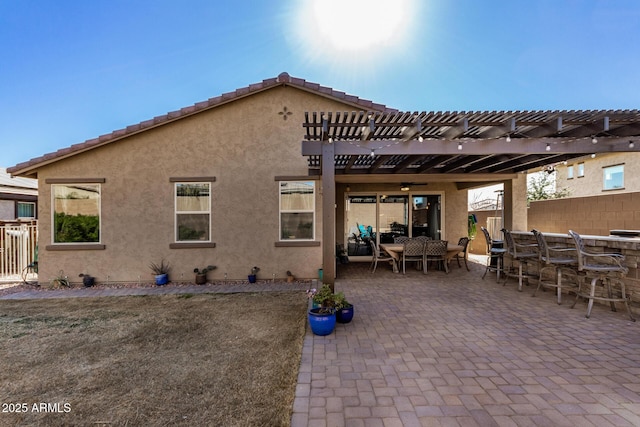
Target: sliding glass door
(383, 216)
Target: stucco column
(515, 203)
(328, 214)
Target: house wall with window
(227, 186)
(240, 153)
(220, 183)
(603, 174)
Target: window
(614, 177)
(297, 210)
(580, 170)
(76, 213)
(26, 210)
(570, 172)
(193, 211)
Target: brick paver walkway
(455, 350)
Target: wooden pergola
(467, 148)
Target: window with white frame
(580, 170)
(193, 211)
(297, 210)
(570, 172)
(26, 210)
(76, 213)
(613, 177)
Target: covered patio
(373, 152)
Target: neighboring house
(275, 175)
(18, 197)
(602, 174)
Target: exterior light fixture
(373, 152)
(420, 138)
(548, 147)
(508, 138)
(593, 156)
(631, 144)
(459, 145)
(404, 187)
(594, 140)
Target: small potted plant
(201, 274)
(87, 280)
(344, 309)
(253, 275)
(322, 319)
(161, 272)
(290, 277)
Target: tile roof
(28, 168)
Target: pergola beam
(472, 146)
(458, 130)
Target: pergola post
(328, 214)
(514, 203)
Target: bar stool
(522, 254)
(496, 252)
(557, 261)
(605, 269)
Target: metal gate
(18, 250)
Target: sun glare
(352, 30)
(354, 25)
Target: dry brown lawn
(213, 359)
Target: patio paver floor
(456, 350)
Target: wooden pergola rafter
(462, 147)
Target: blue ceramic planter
(162, 279)
(322, 323)
(344, 315)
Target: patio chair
(521, 254)
(400, 239)
(606, 269)
(495, 261)
(464, 242)
(378, 256)
(413, 252)
(423, 238)
(436, 250)
(554, 263)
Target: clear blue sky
(71, 70)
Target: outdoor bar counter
(627, 246)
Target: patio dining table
(395, 251)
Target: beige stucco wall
(244, 144)
(591, 184)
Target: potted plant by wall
(253, 275)
(87, 280)
(322, 319)
(344, 309)
(161, 272)
(290, 277)
(201, 274)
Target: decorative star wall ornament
(285, 113)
